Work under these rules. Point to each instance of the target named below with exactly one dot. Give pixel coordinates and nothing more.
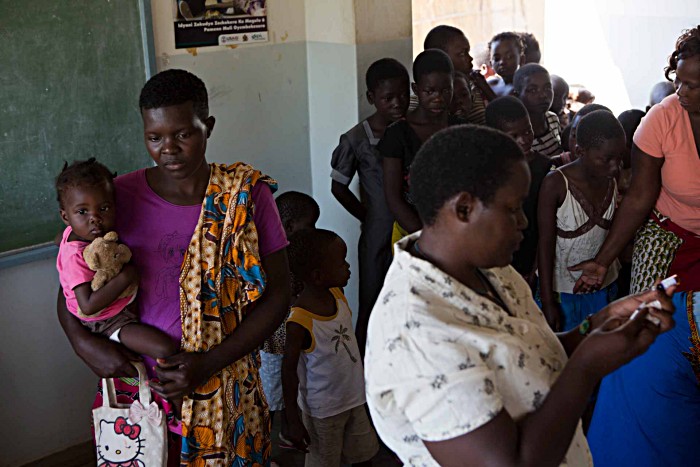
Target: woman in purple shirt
(210, 248)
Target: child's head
(565, 134)
(510, 116)
(388, 88)
(454, 43)
(86, 198)
(630, 120)
(585, 110)
(533, 86)
(175, 110)
(600, 143)
(461, 103)
(532, 49)
(561, 94)
(317, 257)
(432, 75)
(505, 51)
(469, 183)
(298, 211)
(659, 92)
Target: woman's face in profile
(497, 226)
(687, 83)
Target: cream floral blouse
(442, 361)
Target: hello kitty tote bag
(130, 435)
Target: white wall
(616, 49)
(258, 93)
(330, 66)
(46, 391)
(377, 37)
(480, 20)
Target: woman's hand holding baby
(181, 374)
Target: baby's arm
(92, 302)
(147, 340)
(107, 359)
(296, 432)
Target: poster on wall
(205, 23)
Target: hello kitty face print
(120, 444)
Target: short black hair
(458, 74)
(585, 110)
(561, 90)
(687, 45)
(598, 127)
(532, 48)
(382, 70)
(565, 138)
(508, 36)
(660, 91)
(307, 250)
(504, 109)
(461, 158)
(440, 36)
(559, 82)
(431, 61)
(630, 120)
(81, 174)
(524, 72)
(175, 87)
(294, 205)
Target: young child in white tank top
(575, 211)
(322, 371)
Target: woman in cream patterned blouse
(461, 367)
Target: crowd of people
(504, 318)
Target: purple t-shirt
(158, 234)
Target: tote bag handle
(109, 396)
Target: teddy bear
(106, 257)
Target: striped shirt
(549, 143)
(477, 114)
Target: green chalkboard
(70, 76)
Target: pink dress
(73, 271)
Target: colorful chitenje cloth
(231, 421)
(663, 248)
(226, 421)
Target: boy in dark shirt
(510, 116)
(387, 90)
